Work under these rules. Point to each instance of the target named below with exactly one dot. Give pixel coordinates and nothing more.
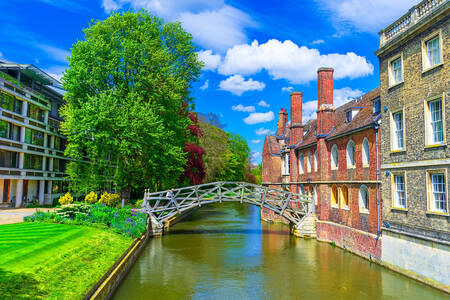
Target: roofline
(12, 65)
(350, 132)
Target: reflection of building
(31, 149)
(414, 87)
(335, 159)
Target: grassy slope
(56, 261)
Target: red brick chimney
(325, 107)
(281, 122)
(296, 117)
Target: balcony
(412, 17)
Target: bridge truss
(162, 206)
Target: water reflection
(224, 251)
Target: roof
(31, 71)
(363, 118)
(274, 146)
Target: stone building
(335, 159)
(414, 88)
(32, 161)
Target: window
(348, 116)
(31, 161)
(432, 51)
(334, 157)
(376, 106)
(396, 71)
(308, 163)
(315, 194)
(399, 191)
(301, 164)
(10, 103)
(285, 166)
(334, 196)
(351, 151)
(315, 161)
(302, 189)
(9, 159)
(34, 137)
(344, 196)
(9, 131)
(365, 152)
(363, 199)
(435, 124)
(398, 140)
(437, 191)
(35, 112)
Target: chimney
(325, 107)
(285, 117)
(296, 117)
(281, 123)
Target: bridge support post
(155, 228)
(306, 228)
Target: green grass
(55, 261)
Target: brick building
(414, 88)
(335, 160)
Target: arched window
(301, 164)
(351, 150)
(308, 163)
(315, 194)
(344, 196)
(334, 157)
(363, 198)
(315, 161)
(365, 152)
(334, 196)
(302, 189)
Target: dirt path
(9, 216)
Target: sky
(255, 52)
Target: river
(224, 251)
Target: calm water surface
(225, 252)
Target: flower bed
(128, 222)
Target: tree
(127, 102)
(257, 173)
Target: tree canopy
(127, 103)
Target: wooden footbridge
(163, 205)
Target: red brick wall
(271, 171)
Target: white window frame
(334, 157)
(394, 187)
(429, 140)
(365, 153)
(362, 207)
(431, 203)
(351, 146)
(315, 161)
(394, 138)
(392, 80)
(308, 162)
(315, 194)
(426, 63)
(301, 164)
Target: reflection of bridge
(161, 205)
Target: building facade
(32, 161)
(414, 88)
(335, 159)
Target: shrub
(70, 211)
(139, 203)
(110, 200)
(66, 199)
(91, 198)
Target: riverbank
(57, 261)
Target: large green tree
(128, 93)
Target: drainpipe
(376, 127)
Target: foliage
(212, 119)
(128, 94)
(195, 169)
(66, 199)
(121, 220)
(109, 199)
(91, 198)
(257, 173)
(139, 203)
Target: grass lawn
(55, 261)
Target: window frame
(301, 163)
(394, 204)
(308, 162)
(393, 131)
(365, 153)
(427, 120)
(341, 197)
(363, 209)
(334, 196)
(350, 164)
(426, 64)
(334, 161)
(430, 204)
(315, 161)
(391, 79)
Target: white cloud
(263, 131)
(340, 97)
(213, 24)
(255, 156)
(317, 42)
(283, 60)
(287, 89)
(368, 15)
(241, 107)
(205, 85)
(263, 103)
(237, 85)
(55, 53)
(255, 118)
(210, 60)
(1, 54)
(255, 141)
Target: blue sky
(255, 52)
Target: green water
(225, 252)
